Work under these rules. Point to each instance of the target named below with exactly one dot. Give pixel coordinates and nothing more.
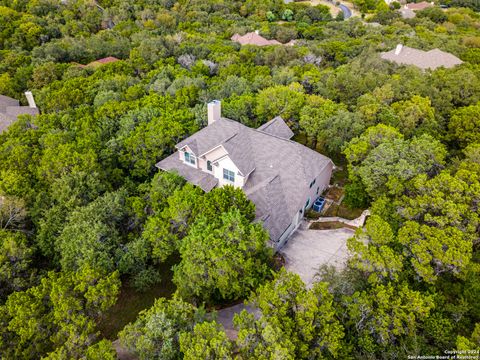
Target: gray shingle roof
(10, 109)
(5, 122)
(197, 177)
(278, 128)
(7, 101)
(282, 169)
(423, 59)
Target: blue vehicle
(319, 204)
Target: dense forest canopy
(84, 212)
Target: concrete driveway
(307, 250)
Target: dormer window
(189, 158)
(229, 175)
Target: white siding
(227, 163)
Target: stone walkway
(358, 222)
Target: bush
(355, 195)
(146, 279)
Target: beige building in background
(433, 59)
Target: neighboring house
(282, 177)
(407, 13)
(254, 38)
(408, 10)
(99, 62)
(418, 6)
(10, 110)
(432, 59)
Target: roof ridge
(275, 136)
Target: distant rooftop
(418, 6)
(432, 59)
(254, 38)
(99, 62)
(10, 110)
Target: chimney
(30, 99)
(214, 111)
(398, 49)
(257, 32)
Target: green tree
(315, 116)
(384, 161)
(222, 260)
(64, 306)
(156, 332)
(15, 263)
(295, 323)
(464, 125)
(441, 222)
(92, 235)
(207, 341)
(415, 116)
(284, 101)
(373, 251)
(383, 315)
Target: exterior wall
(216, 153)
(182, 157)
(321, 182)
(227, 163)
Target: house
(10, 110)
(418, 6)
(254, 38)
(282, 177)
(408, 10)
(433, 59)
(99, 62)
(406, 13)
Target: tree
(415, 116)
(12, 212)
(373, 251)
(284, 101)
(165, 230)
(316, 114)
(208, 341)
(156, 332)
(441, 223)
(222, 260)
(384, 161)
(91, 235)
(63, 306)
(294, 323)
(464, 125)
(15, 261)
(383, 315)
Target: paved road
(346, 11)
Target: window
(209, 165)
(313, 183)
(189, 158)
(228, 175)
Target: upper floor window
(209, 165)
(228, 175)
(189, 158)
